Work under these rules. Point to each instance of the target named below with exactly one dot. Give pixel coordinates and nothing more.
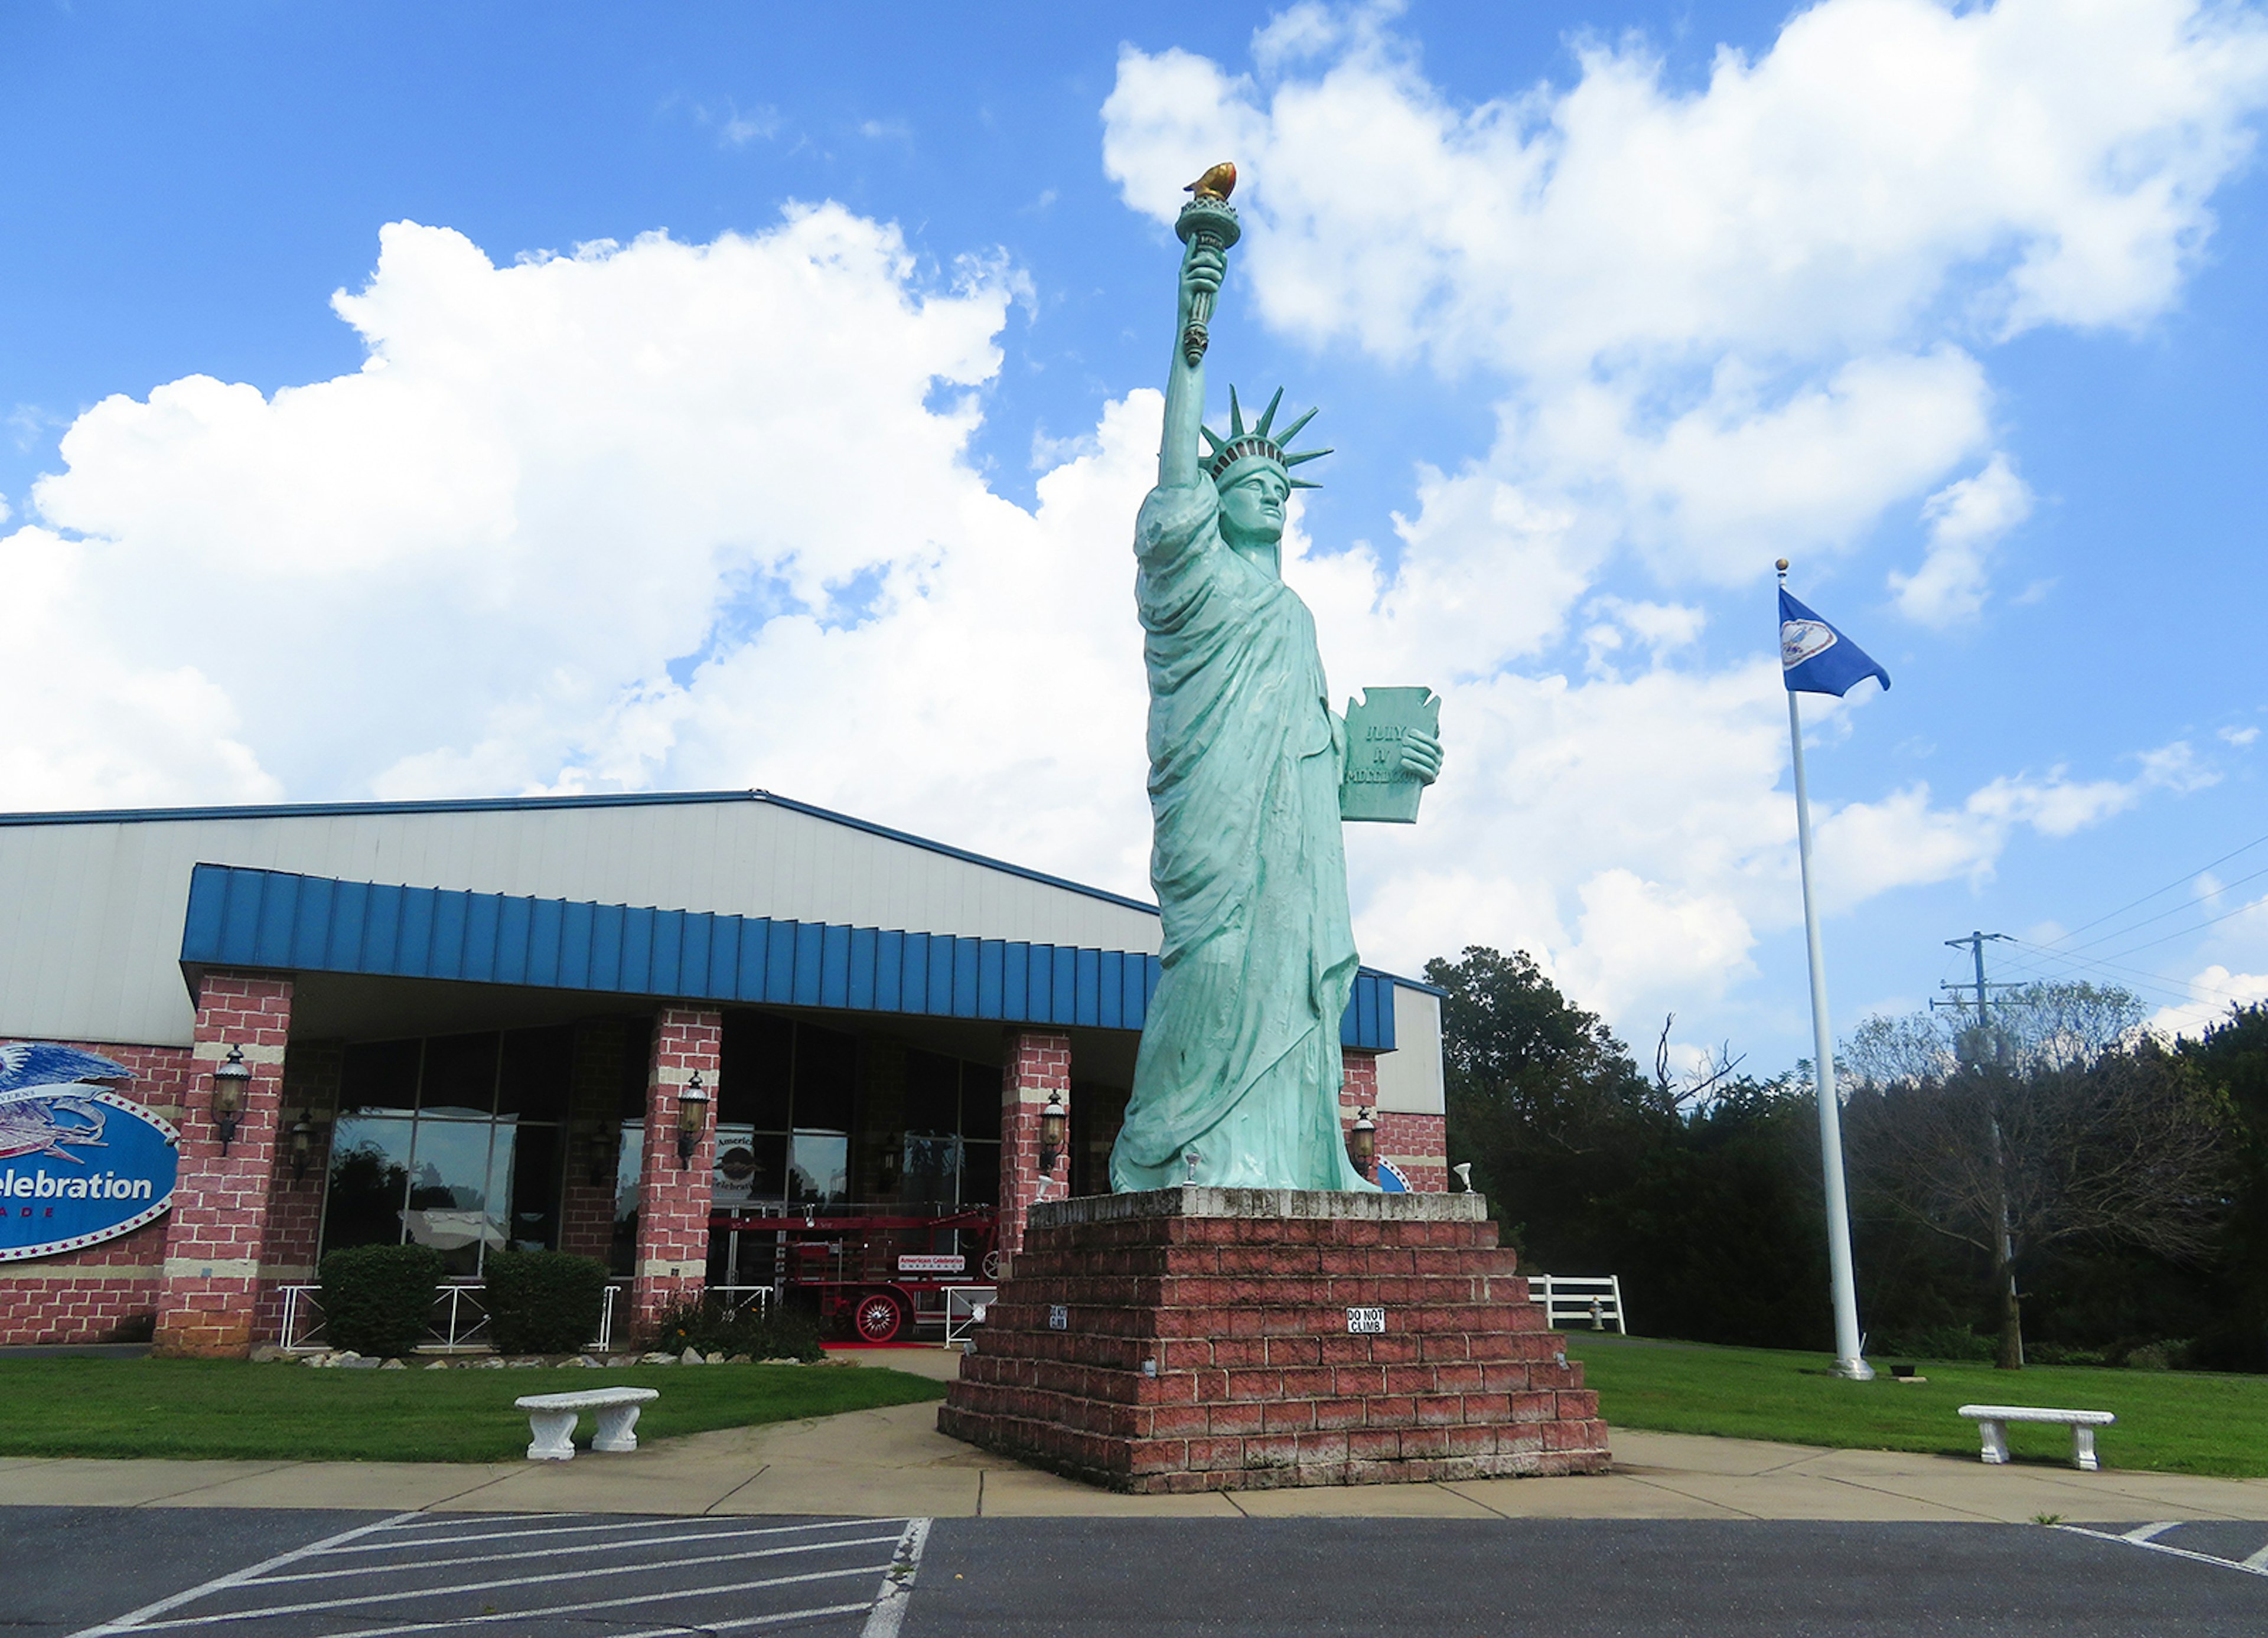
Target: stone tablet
(1375, 786)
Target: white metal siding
(1410, 1076)
(91, 914)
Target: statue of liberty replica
(1251, 773)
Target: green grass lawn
(2172, 1421)
(181, 1409)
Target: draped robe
(1240, 1057)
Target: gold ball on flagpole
(1781, 565)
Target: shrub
(2172, 1354)
(2059, 1354)
(784, 1333)
(1949, 1342)
(543, 1302)
(379, 1299)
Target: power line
(2155, 892)
(2179, 909)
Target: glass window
(980, 1100)
(932, 1093)
(380, 1076)
(629, 1156)
(538, 1073)
(369, 1181)
(980, 1174)
(931, 1177)
(536, 1170)
(755, 1071)
(819, 1165)
(453, 1204)
(461, 1076)
(751, 1167)
(826, 1078)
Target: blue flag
(1817, 659)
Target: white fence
(1591, 1300)
(459, 1317)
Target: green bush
(2171, 1354)
(1938, 1342)
(543, 1302)
(2059, 1354)
(379, 1299)
(706, 1325)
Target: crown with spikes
(1241, 444)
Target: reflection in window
(419, 1153)
(819, 1168)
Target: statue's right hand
(1201, 270)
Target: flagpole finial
(1782, 567)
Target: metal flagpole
(1848, 1361)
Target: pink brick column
(1417, 1144)
(1033, 1065)
(673, 1230)
(216, 1234)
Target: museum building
(660, 1030)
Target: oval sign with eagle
(79, 1164)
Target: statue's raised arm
(1208, 227)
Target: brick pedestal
(1205, 1346)
(1036, 1064)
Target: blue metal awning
(277, 920)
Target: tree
(2058, 1124)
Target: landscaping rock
(524, 1364)
(268, 1354)
(492, 1363)
(583, 1360)
(656, 1359)
(356, 1361)
(438, 1364)
(738, 1359)
(717, 1358)
(691, 1356)
(345, 1356)
(394, 1364)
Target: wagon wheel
(992, 1264)
(877, 1316)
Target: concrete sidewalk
(893, 1463)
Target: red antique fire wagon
(875, 1275)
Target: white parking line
(628, 1544)
(655, 1524)
(133, 1619)
(2141, 1534)
(434, 1521)
(898, 1584)
(751, 1620)
(490, 1586)
(2257, 1564)
(641, 1598)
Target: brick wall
(216, 1234)
(110, 1289)
(1033, 1065)
(1417, 1144)
(673, 1234)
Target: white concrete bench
(1992, 1422)
(551, 1418)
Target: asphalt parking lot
(94, 1572)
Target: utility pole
(1986, 1059)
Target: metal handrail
(454, 1332)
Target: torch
(1207, 223)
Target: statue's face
(1252, 507)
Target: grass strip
(228, 1409)
(2169, 1422)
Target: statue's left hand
(1421, 756)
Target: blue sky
(1600, 319)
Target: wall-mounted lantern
(1053, 1120)
(1362, 1142)
(303, 1134)
(232, 1084)
(692, 1118)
